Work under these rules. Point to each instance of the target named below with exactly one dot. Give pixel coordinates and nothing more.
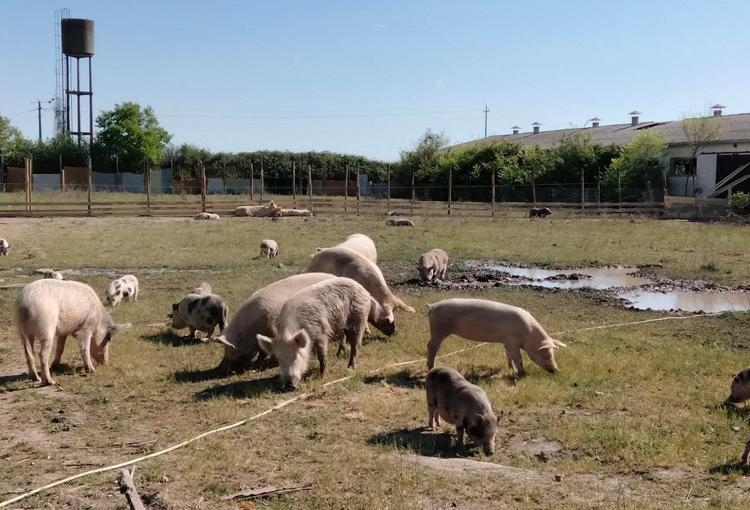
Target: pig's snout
(488, 448)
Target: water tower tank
(78, 37)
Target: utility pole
(486, 111)
(39, 118)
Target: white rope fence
(292, 400)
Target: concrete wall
(45, 182)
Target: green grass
(628, 403)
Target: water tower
(78, 44)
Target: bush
(740, 203)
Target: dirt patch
(537, 448)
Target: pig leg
(191, 336)
(322, 356)
(514, 359)
(135, 293)
(430, 416)
(433, 346)
(355, 340)
(28, 350)
(460, 434)
(84, 345)
(442, 273)
(58, 354)
(746, 452)
(45, 349)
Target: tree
(699, 131)
(639, 163)
(131, 133)
(423, 158)
(8, 133)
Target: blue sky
(371, 77)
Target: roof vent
(595, 121)
(717, 108)
(516, 129)
(536, 126)
(634, 117)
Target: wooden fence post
(358, 191)
(203, 187)
(147, 175)
(27, 183)
(88, 186)
(294, 184)
(533, 187)
(309, 186)
(619, 188)
(62, 173)
(413, 193)
(493, 194)
(388, 190)
(583, 193)
(118, 177)
(252, 183)
(346, 188)
(450, 189)
(262, 181)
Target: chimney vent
(536, 125)
(516, 129)
(634, 117)
(595, 121)
(717, 108)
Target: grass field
(633, 420)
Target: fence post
(309, 186)
(413, 194)
(450, 188)
(583, 193)
(599, 189)
(252, 183)
(294, 184)
(358, 190)
(88, 186)
(224, 176)
(533, 187)
(262, 183)
(346, 187)
(27, 170)
(388, 190)
(619, 188)
(62, 174)
(203, 187)
(118, 177)
(147, 175)
(493, 194)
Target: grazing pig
(740, 390)
(489, 321)
(539, 212)
(207, 216)
(202, 290)
(52, 310)
(122, 288)
(400, 222)
(361, 244)
(460, 403)
(348, 263)
(432, 265)
(328, 310)
(199, 312)
(269, 248)
(258, 211)
(295, 212)
(4, 247)
(259, 315)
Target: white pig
(433, 264)
(4, 247)
(269, 248)
(122, 288)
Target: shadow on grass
(241, 389)
(475, 376)
(171, 339)
(422, 441)
(402, 379)
(192, 376)
(729, 468)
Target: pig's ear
(221, 339)
(551, 343)
(118, 328)
(300, 338)
(558, 343)
(499, 417)
(264, 343)
(400, 305)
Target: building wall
(706, 166)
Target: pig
(740, 390)
(207, 216)
(269, 248)
(460, 403)
(52, 275)
(203, 289)
(539, 212)
(489, 321)
(258, 211)
(122, 288)
(400, 222)
(345, 262)
(4, 247)
(199, 312)
(433, 264)
(259, 315)
(52, 310)
(296, 212)
(334, 308)
(394, 213)
(361, 244)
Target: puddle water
(625, 284)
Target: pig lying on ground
(207, 216)
(539, 212)
(53, 275)
(258, 211)
(400, 222)
(122, 288)
(460, 403)
(259, 315)
(295, 212)
(52, 310)
(199, 312)
(4, 247)
(490, 321)
(269, 248)
(345, 262)
(328, 310)
(432, 265)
